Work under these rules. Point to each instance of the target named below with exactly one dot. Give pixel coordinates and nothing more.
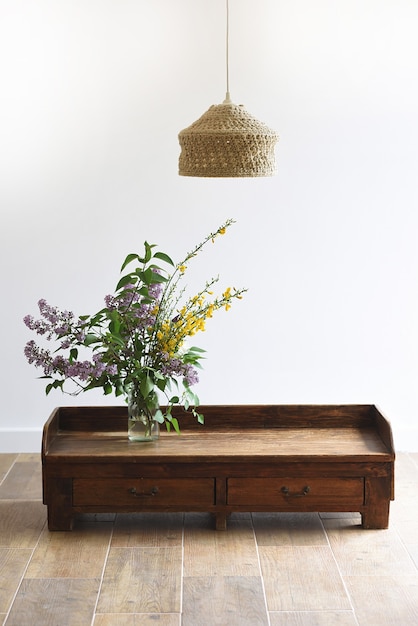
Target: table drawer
(291, 491)
(143, 491)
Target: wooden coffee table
(244, 458)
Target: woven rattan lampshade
(227, 141)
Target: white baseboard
(20, 440)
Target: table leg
(59, 502)
(220, 521)
(376, 513)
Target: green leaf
(175, 423)
(148, 252)
(161, 384)
(98, 317)
(125, 280)
(158, 278)
(146, 386)
(119, 389)
(190, 398)
(192, 358)
(193, 355)
(90, 338)
(57, 384)
(114, 327)
(116, 339)
(139, 346)
(163, 257)
(129, 259)
(200, 417)
(149, 277)
(159, 416)
(144, 276)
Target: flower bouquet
(136, 345)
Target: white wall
(93, 94)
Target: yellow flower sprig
(168, 308)
(191, 318)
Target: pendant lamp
(227, 141)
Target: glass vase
(142, 425)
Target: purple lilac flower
(99, 367)
(62, 330)
(156, 290)
(111, 302)
(143, 313)
(122, 302)
(144, 316)
(128, 297)
(39, 326)
(28, 320)
(51, 314)
(191, 376)
(83, 370)
(39, 357)
(53, 323)
(79, 369)
(60, 364)
(175, 367)
(54, 316)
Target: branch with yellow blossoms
(192, 317)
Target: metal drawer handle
(138, 494)
(297, 494)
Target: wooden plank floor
(174, 569)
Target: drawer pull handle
(137, 494)
(297, 494)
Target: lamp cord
(228, 96)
